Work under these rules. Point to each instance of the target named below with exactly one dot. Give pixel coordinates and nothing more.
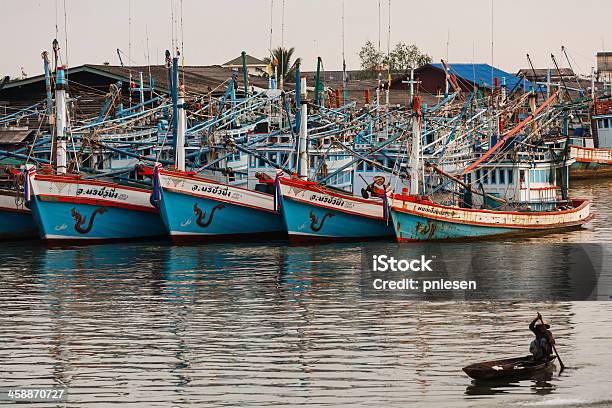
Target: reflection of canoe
(508, 368)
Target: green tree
(403, 57)
(371, 59)
(285, 68)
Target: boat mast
(303, 138)
(415, 151)
(60, 121)
(178, 113)
(45, 56)
(179, 158)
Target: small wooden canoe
(508, 368)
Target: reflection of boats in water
(538, 382)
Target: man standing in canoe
(541, 347)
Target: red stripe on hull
(177, 191)
(99, 202)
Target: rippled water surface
(252, 324)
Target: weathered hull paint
(72, 209)
(194, 208)
(315, 214)
(590, 162)
(423, 221)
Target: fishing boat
(509, 368)
(517, 194)
(200, 208)
(73, 207)
(319, 213)
(196, 208)
(593, 155)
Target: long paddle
(554, 349)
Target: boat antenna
(271, 26)
(379, 27)
(182, 47)
(389, 55)
(492, 54)
(535, 76)
(66, 37)
(343, 61)
(560, 76)
(570, 65)
(282, 53)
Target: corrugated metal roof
(477, 73)
(250, 60)
(14, 135)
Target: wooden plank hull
(418, 220)
(195, 208)
(313, 213)
(72, 209)
(590, 162)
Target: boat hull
(315, 214)
(195, 208)
(590, 162)
(510, 368)
(16, 220)
(415, 220)
(74, 210)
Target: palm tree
(285, 68)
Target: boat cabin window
(485, 177)
(522, 176)
(369, 166)
(510, 176)
(502, 176)
(477, 176)
(494, 176)
(538, 176)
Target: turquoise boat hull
(187, 216)
(409, 228)
(69, 221)
(17, 224)
(310, 222)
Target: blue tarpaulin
(483, 73)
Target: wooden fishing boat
(523, 367)
(417, 219)
(315, 213)
(196, 208)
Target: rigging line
(389, 45)
(172, 25)
(182, 46)
(492, 55)
(56, 19)
(282, 53)
(130, 31)
(271, 25)
(378, 27)
(66, 36)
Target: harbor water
(150, 324)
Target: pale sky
(217, 31)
